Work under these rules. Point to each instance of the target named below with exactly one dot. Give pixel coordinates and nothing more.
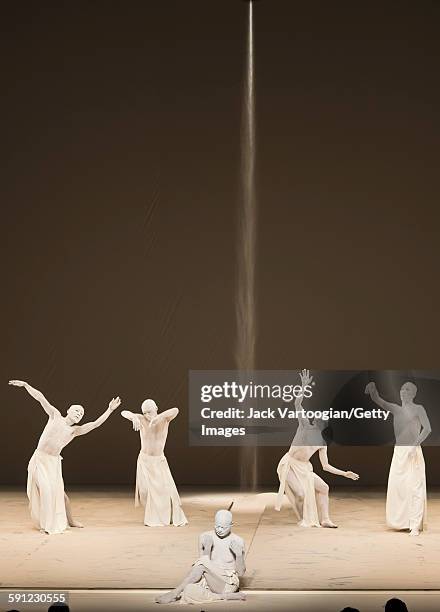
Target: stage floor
(257, 601)
(115, 550)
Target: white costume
(200, 593)
(49, 505)
(156, 490)
(45, 490)
(304, 472)
(406, 494)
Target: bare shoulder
(238, 539)
(419, 409)
(206, 534)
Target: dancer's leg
(217, 586)
(322, 490)
(194, 576)
(72, 522)
(297, 490)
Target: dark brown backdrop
(120, 184)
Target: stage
(115, 550)
(137, 600)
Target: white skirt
(406, 494)
(303, 470)
(156, 490)
(45, 490)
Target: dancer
(49, 505)
(406, 492)
(155, 487)
(215, 575)
(306, 491)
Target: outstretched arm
(134, 418)
(80, 430)
(323, 457)
(166, 415)
(48, 408)
(371, 390)
(426, 426)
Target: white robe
(45, 490)
(156, 490)
(304, 472)
(406, 494)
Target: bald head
(75, 412)
(408, 392)
(223, 523)
(149, 408)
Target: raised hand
(370, 388)
(115, 403)
(351, 475)
(17, 383)
(306, 379)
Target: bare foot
(74, 523)
(414, 532)
(167, 597)
(328, 523)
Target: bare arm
(237, 547)
(323, 457)
(371, 390)
(426, 426)
(306, 380)
(302, 420)
(206, 544)
(80, 430)
(134, 418)
(166, 415)
(47, 406)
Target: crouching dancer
(215, 575)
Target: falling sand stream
(246, 252)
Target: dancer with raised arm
(306, 491)
(49, 505)
(216, 574)
(406, 492)
(155, 487)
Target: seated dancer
(406, 493)
(215, 575)
(155, 487)
(49, 504)
(306, 491)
